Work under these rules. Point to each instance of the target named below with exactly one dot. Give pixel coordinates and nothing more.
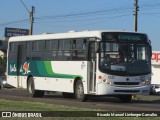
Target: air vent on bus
(126, 83)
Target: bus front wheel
(31, 89)
(79, 91)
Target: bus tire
(125, 98)
(79, 91)
(31, 89)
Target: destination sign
(122, 36)
(129, 37)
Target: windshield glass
(122, 58)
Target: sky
(56, 16)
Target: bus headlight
(107, 81)
(104, 80)
(145, 82)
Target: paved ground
(143, 103)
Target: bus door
(20, 55)
(92, 67)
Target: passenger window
(54, 45)
(29, 46)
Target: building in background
(155, 72)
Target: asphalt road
(142, 103)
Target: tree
(3, 62)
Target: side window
(54, 45)
(38, 50)
(64, 50)
(67, 44)
(41, 45)
(51, 50)
(79, 49)
(28, 50)
(54, 48)
(29, 46)
(13, 51)
(48, 45)
(35, 45)
(47, 53)
(67, 50)
(51, 44)
(13, 46)
(61, 44)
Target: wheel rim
(79, 91)
(30, 86)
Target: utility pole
(31, 20)
(136, 9)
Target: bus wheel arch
(31, 88)
(79, 90)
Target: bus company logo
(156, 56)
(26, 68)
(13, 68)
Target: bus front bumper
(122, 90)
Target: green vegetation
(8, 105)
(3, 62)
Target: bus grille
(126, 83)
(127, 91)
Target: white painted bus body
(103, 86)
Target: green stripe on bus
(42, 69)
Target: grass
(21, 106)
(34, 106)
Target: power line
(88, 14)
(73, 15)
(24, 6)
(14, 22)
(87, 24)
(99, 12)
(31, 17)
(90, 19)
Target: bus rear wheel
(31, 89)
(79, 91)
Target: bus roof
(66, 35)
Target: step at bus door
(92, 68)
(20, 55)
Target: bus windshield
(125, 58)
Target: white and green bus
(114, 63)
